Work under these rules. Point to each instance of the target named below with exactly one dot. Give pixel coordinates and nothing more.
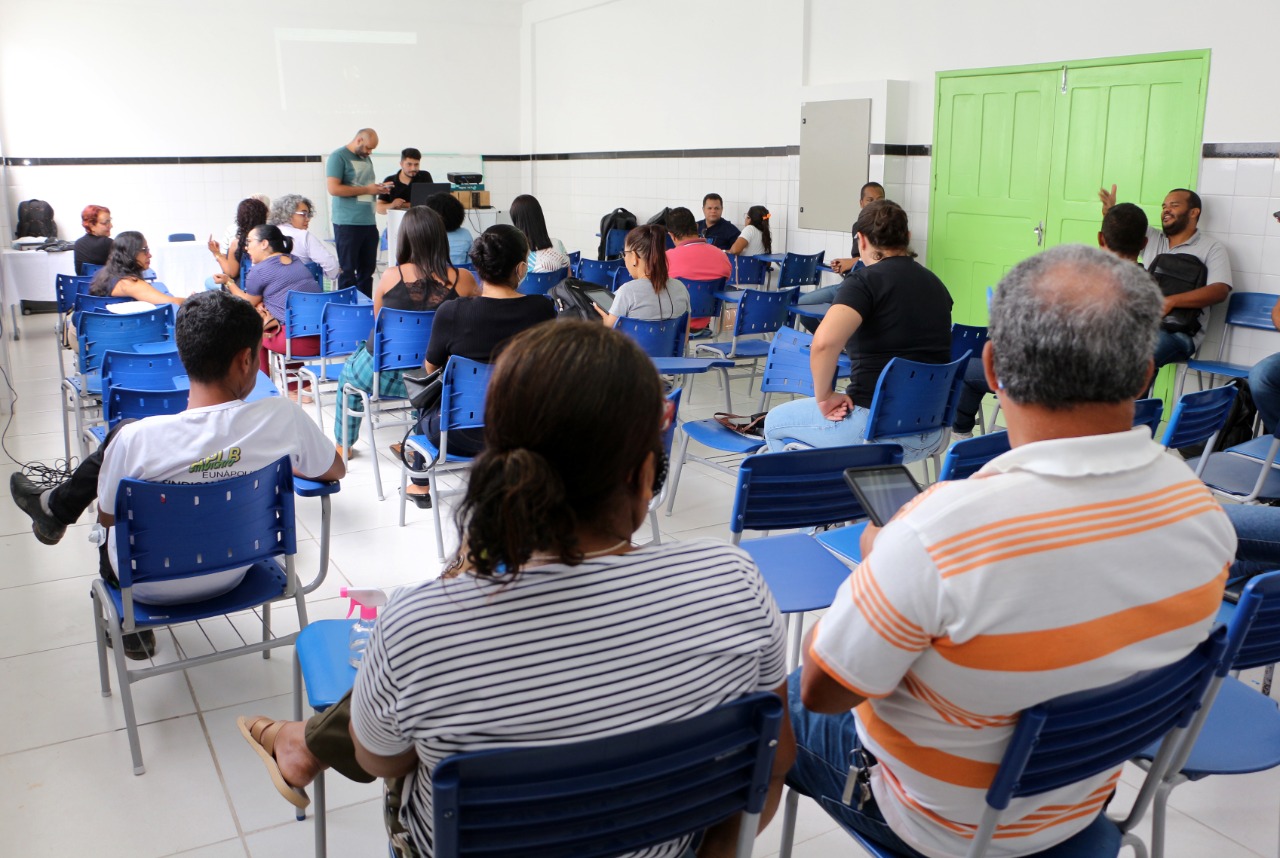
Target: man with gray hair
(1083, 555)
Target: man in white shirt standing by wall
(1080, 557)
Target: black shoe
(420, 501)
(26, 495)
(138, 646)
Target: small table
(697, 366)
(31, 275)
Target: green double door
(1019, 155)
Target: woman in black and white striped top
(585, 636)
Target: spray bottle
(369, 601)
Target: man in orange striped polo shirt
(1083, 555)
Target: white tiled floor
(66, 782)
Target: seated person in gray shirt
(650, 296)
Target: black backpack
(1176, 273)
(661, 217)
(619, 218)
(1238, 427)
(35, 220)
(572, 302)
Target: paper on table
(127, 307)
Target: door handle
(1039, 231)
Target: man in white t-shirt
(219, 436)
(1084, 555)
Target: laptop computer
(419, 191)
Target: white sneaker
(960, 436)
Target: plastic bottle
(368, 601)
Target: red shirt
(697, 260)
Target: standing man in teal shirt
(349, 173)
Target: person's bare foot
(282, 747)
(297, 764)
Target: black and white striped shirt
(566, 653)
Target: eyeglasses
(630, 250)
(306, 214)
(145, 250)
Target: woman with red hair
(95, 245)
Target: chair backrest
(659, 339)
(599, 272)
(1076, 736)
(68, 287)
(400, 338)
(574, 259)
(749, 271)
(800, 270)
(84, 282)
(1246, 310)
(155, 372)
(1253, 635)
(102, 332)
(119, 403)
(761, 312)
(344, 327)
(786, 367)
(176, 530)
(614, 241)
(967, 456)
(622, 275)
(182, 236)
(912, 398)
(968, 338)
(466, 383)
(612, 795)
(304, 311)
(702, 295)
(540, 282)
(90, 269)
(1198, 417)
(802, 488)
(316, 272)
(1148, 412)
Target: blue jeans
(801, 420)
(1264, 384)
(824, 744)
(821, 295)
(971, 393)
(1173, 348)
(1258, 539)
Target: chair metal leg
(100, 634)
(653, 523)
(322, 834)
(266, 628)
(301, 813)
(728, 396)
(676, 469)
(790, 809)
(795, 625)
(68, 400)
(404, 490)
(1159, 813)
(366, 403)
(435, 515)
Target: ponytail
(516, 505)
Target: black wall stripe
(183, 159)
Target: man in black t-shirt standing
(409, 174)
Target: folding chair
(1197, 418)
(400, 340)
(800, 489)
(574, 258)
(462, 400)
(759, 315)
(614, 241)
(67, 287)
(316, 272)
(613, 795)
(303, 317)
(622, 275)
(800, 270)
(343, 329)
(540, 283)
(912, 398)
(1149, 413)
(599, 272)
(121, 403)
(172, 531)
(1237, 731)
(1244, 310)
(1077, 736)
(966, 457)
(703, 303)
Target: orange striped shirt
(1063, 565)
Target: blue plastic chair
(1076, 736)
(659, 339)
(98, 334)
(786, 370)
(182, 236)
(1197, 418)
(574, 258)
(614, 242)
(800, 270)
(171, 531)
(759, 314)
(622, 275)
(142, 371)
(966, 457)
(599, 272)
(1238, 729)
(1149, 413)
(67, 288)
(122, 403)
(968, 338)
(1244, 310)
(316, 272)
(800, 489)
(89, 269)
(304, 317)
(703, 302)
(343, 329)
(749, 271)
(466, 384)
(912, 398)
(400, 340)
(1244, 472)
(612, 795)
(540, 283)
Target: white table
(477, 220)
(30, 275)
(183, 266)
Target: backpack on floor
(1239, 425)
(1176, 273)
(619, 218)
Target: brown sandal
(261, 734)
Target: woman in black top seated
(121, 277)
(94, 246)
(476, 328)
(422, 279)
(894, 307)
